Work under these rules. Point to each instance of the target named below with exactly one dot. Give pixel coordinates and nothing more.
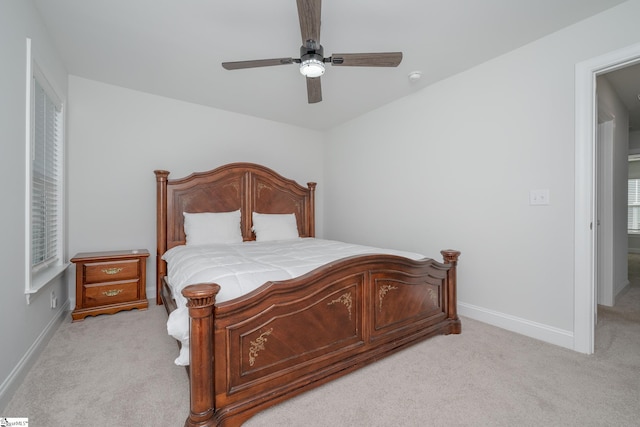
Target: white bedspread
(242, 267)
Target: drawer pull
(112, 292)
(112, 270)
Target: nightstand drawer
(100, 272)
(112, 293)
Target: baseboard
(17, 375)
(556, 336)
(621, 291)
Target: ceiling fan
(312, 58)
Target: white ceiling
(174, 48)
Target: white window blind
(633, 204)
(45, 178)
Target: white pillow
(212, 227)
(275, 227)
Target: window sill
(43, 278)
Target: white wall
(634, 142)
(24, 329)
(452, 166)
(117, 137)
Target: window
(45, 130)
(633, 211)
(45, 178)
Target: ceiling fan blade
(256, 63)
(314, 90)
(309, 15)
(382, 59)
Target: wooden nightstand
(108, 282)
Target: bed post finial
(451, 256)
(201, 300)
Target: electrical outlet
(54, 300)
(539, 197)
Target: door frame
(585, 253)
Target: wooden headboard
(245, 186)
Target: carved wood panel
(399, 300)
(219, 196)
(298, 335)
(270, 196)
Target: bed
(287, 336)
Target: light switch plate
(539, 197)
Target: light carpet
(118, 370)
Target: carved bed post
(200, 301)
(161, 231)
(451, 257)
(312, 208)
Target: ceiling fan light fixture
(312, 68)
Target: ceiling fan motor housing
(308, 53)
(311, 61)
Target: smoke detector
(414, 76)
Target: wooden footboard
(290, 336)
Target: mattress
(242, 267)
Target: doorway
(586, 191)
(618, 138)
